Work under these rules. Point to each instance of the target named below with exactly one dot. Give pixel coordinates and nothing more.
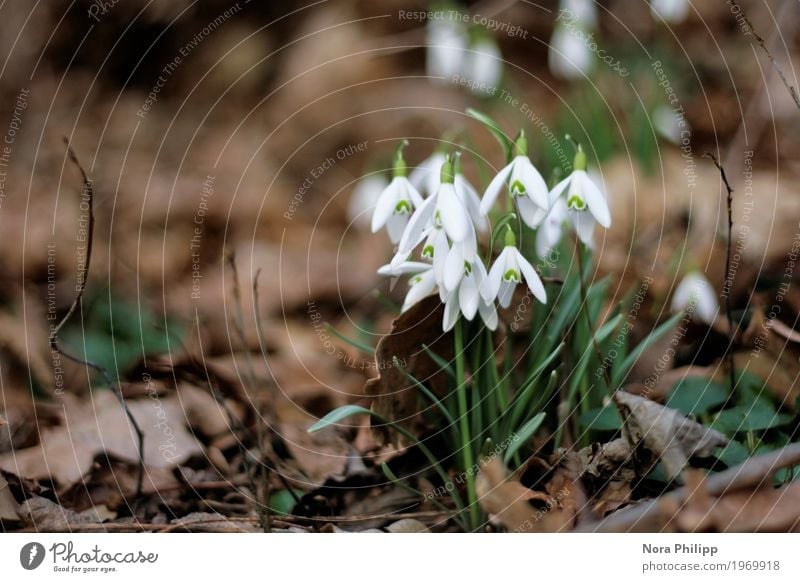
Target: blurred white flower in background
(696, 295)
(363, 199)
(668, 125)
(446, 40)
(426, 176)
(569, 55)
(483, 65)
(672, 11)
(397, 201)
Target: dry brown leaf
(666, 432)
(8, 505)
(66, 452)
(44, 515)
(394, 396)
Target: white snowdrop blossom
(469, 198)
(364, 197)
(466, 298)
(673, 11)
(525, 185)
(570, 56)
(426, 176)
(397, 201)
(421, 283)
(586, 204)
(508, 271)
(669, 125)
(696, 295)
(483, 65)
(447, 40)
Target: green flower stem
(463, 420)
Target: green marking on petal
(576, 202)
(517, 188)
(512, 275)
(437, 219)
(467, 268)
(415, 279)
(427, 251)
(403, 207)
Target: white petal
(425, 177)
(551, 230)
(452, 213)
(490, 196)
(408, 191)
(420, 289)
(506, 293)
(559, 188)
(488, 314)
(471, 201)
(531, 213)
(594, 199)
(697, 294)
(491, 284)
(535, 186)
(407, 268)
(584, 225)
(440, 252)
(532, 278)
(418, 226)
(365, 197)
(469, 246)
(451, 312)
(453, 268)
(468, 297)
(395, 227)
(385, 205)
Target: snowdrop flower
(508, 270)
(569, 56)
(483, 65)
(669, 124)
(673, 11)
(421, 284)
(586, 204)
(525, 184)
(397, 201)
(696, 295)
(363, 199)
(442, 210)
(446, 41)
(466, 298)
(426, 176)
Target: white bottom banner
(389, 558)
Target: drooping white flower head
(569, 55)
(426, 176)
(364, 198)
(525, 184)
(673, 11)
(483, 65)
(466, 298)
(668, 124)
(397, 201)
(447, 40)
(586, 204)
(421, 283)
(696, 295)
(508, 271)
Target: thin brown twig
(728, 280)
(763, 45)
(77, 302)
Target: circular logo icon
(31, 555)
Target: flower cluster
(437, 214)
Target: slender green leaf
(523, 435)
